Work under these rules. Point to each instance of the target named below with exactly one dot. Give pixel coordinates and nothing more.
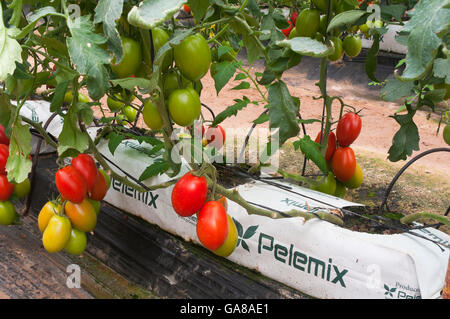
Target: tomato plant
(212, 225)
(71, 184)
(189, 194)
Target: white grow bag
(316, 257)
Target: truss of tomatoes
(65, 222)
(345, 171)
(216, 229)
(9, 191)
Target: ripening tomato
(215, 136)
(230, 243)
(356, 179)
(82, 216)
(56, 234)
(49, 210)
(184, 106)
(22, 189)
(343, 163)
(288, 30)
(193, 57)
(152, 117)
(189, 194)
(7, 213)
(85, 165)
(77, 242)
(212, 225)
(71, 184)
(331, 145)
(98, 192)
(223, 201)
(96, 204)
(131, 59)
(4, 154)
(6, 188)
(3, 138)
(187, 8)
(308, 23)
(348, 129)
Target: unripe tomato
(328, 186)
(338, 49)
(107, 178)
(348, 129)
(6, 188)
(356, 179)
(322, 5)
(7, 213)
(340, 190)
(95, 204)
(189, 194)
(71, 184)
(171, 83)
(68, 97)
(82, 216)
(184, 106)
(308, 23)
(364, 28)
(193, 57)
(22, 189)
(56, 234)
(4, 154)
(77, 242)
(352, 45)
(288, 30)
(293, 33)
(343, 163)
(49, 210)
(130, 112)
(215, 136)
(230, 243)
(100, 188)
(131, 60)
(151, 115)
(87, 168)
(160, 37)
(3, 138)
(331, 145)
(212, 225)
(446, 134)
(113, 105)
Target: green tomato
(364, 28)
(308, 22)
(352, 45)
(21, 190)
(130, 112)
(322, 5)
(293, 33)
(327, 187)
(184, 106)
(161, 37)
(171, 83)
(193, 57)
(131, 60)
(121, 119)
(340, 189)
(7, 213)
(446, 134)
(151, 115)
(77, 242)
(338, 49)
(68, 97)
(113, 105)
(96, 204)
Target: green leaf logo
(389, 291)
(249, 232)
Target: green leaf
(428, 19)
(6, 110)
(312, 152)
(34, 18)
(89, 58)
(10, 50)
(231, 111)
(242, 86)
(395, 89)
(158, 167)
(131, 83)
(58, 97)
(224, 72)
(441, 69)
(346, 19)
(114, 141)
(283, 111)
(406, 140)
(151, 13)
(395, 11)
(19, 165)
(306, 46)
(280, 20)
(262, 118)
(71, 138)
(107, 12)
(199, 8)
(371, 60)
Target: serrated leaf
(158, 167)
(19, 165)
(406, 140)
(395, 89)
(151, 13)
(58, 97)
(262, 119)
(306, 46)
(395, 11)
(107, 12)
(371, 63)
(231, 111)
(224, 72)
(346, 19)
(240, 76)
(71, 137)
(242, 86)
(114, 141)
(311, 151)
(199, 8)
(441, 69)
(131, 83)
(283, 111)
(10, 50)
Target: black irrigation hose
(210, 111)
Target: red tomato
(212, 133)
(287, 30)
(187, 8)
(85, 165)
(343, 163)
(4, 154)
(98, 192)
(189, 194)
(6, 188)
(331, 145)
(3, 138)
(348, 129)
(294, 16)
(212, 225)
(71, 184)
(198, 131)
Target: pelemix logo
(401, 291)
(148, 198)
(243, 236)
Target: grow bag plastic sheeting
(315, 257)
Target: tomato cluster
(64, 222)
(216, 229)
(9, 191)
(345, 171)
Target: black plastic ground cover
(159, 261)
